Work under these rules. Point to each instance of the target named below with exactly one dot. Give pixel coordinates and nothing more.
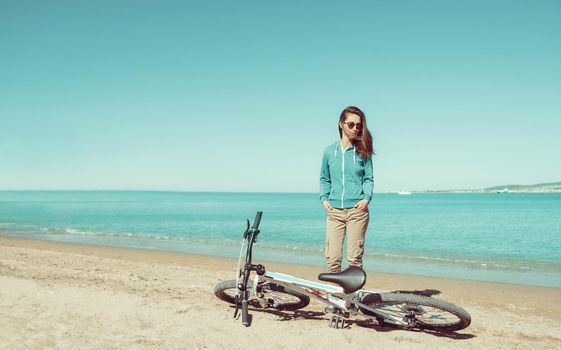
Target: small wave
(110, 234)
(468, 262)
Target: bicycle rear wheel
(420, 311)
(269, 295)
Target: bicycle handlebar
(257, 220)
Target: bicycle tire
(277, 297)
(429, 313)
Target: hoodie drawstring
(337, 148)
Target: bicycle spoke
(436, 316)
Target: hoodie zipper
(343, 171)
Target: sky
(245, 95)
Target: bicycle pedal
(336, 322)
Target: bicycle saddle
(351, 279)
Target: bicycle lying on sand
(272, 290)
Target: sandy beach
(69, 296)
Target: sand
(69, 296)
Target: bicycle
(345, 299)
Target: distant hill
(544, 187)
(537, 188)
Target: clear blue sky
(245, 95)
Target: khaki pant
(354, 223)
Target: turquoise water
(504, 237)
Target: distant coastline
(551, 187)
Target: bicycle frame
(347, 304)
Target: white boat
(404, 193)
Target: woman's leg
(335, 234)
(357, 223)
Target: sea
(499, 237)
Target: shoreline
(63, 295)
(383, 265)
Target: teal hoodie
(346, 178)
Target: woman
(346, 187)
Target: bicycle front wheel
(419, 311)
(269, 295)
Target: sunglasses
(351, 125)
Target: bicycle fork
(244, 291)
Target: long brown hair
(363, 143)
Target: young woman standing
(346, 187)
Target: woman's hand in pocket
(362, 205)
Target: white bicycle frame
(328, 294)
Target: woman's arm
(324, 179)
(368, 181)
